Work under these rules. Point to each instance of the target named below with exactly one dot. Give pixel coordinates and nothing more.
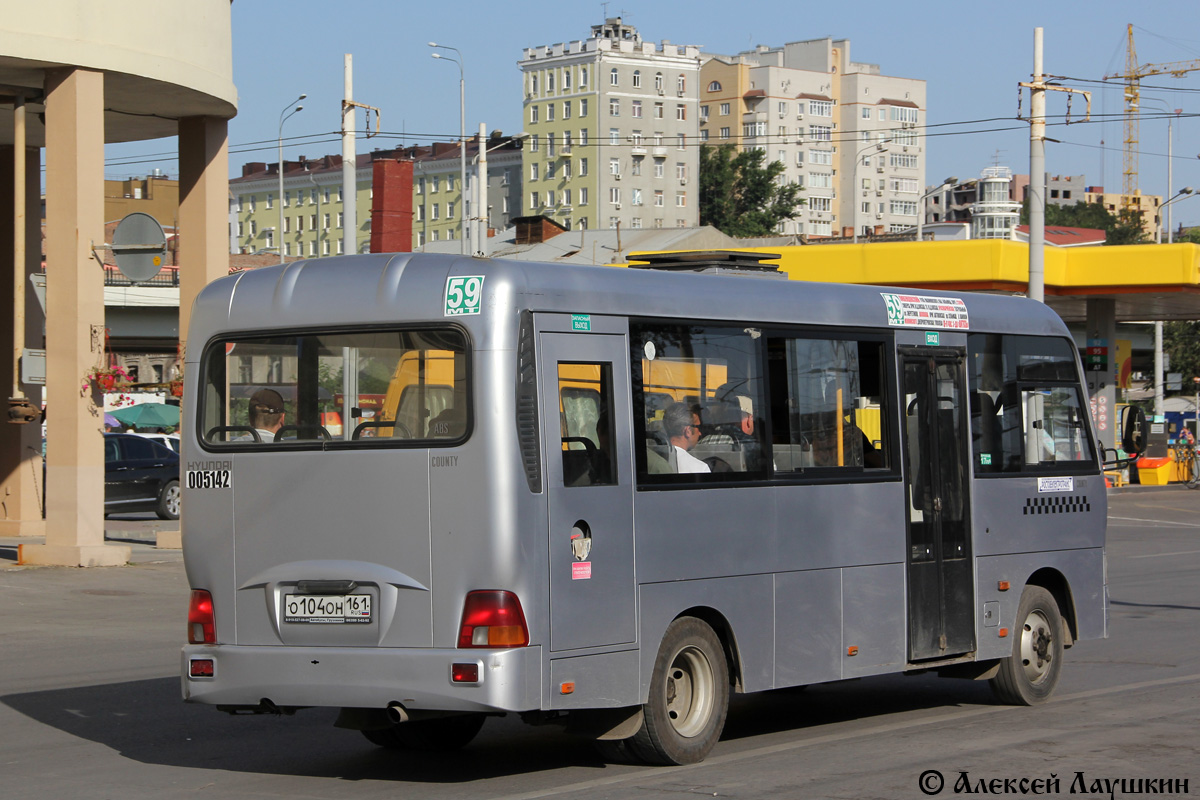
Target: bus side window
(585, 397)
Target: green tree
(1124, 227)
(1181, 341)
(741, 197)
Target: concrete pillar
(74, 324)
(1100, 369)
(203, 210)
(21, 445)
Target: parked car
(169, 440)
(140, 475)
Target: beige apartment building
(845, 132)
(612, 131)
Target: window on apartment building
(635, 196)
(241, 229)
(341, 219)
(566, 197)
(583, 165)
(435, 211)
(583, 105)
(681, 141)
(533, 83)
(866, 184)
(549, 81)
(614, 195)
(865, 207)
(658, 110)
(820, 157)
(269, 237)
(820, 108)
(820, 133)
(566, 79)
(533, 143)
(533, 200)
(287, 224)
(681, 199)
(420, 213)
(681, 83)
(340, 194)
(681, 171)
(449, 183)
(724, 133)
(820, 180)
(583, 77)
(614, 107)
(714, 86)
(660, 168)
(287, 249)
(549, 170)
(253, 228)
(820, 203)
(239, 203)
(287, 199)
(450, 210)
(724, 109)
(549, 150)
(325, 247)
(903, 208)
(614, 136)
(614, 166)
(583, 196)
(637, 109)
(636, 164)
(612, 77)
(680, 112)
(866, 112)
(905, 185)
(635, 223)
(658, 198)
(504, 204)
(341, 246)
(433, 236)
(566, 109)
(637, 79)
(312, 247)
(658, 81)
(326, 222)
(312, 222)
(549, 112)
(506, 177)
(270, 200)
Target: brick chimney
(536, 229)
(391, 206)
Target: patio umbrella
(111, 421)
(148, 415)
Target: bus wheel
(689, 695)
(443, 733)
(1030, 674)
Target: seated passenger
(682, 426)
(736, 421)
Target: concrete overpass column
(21, 445)
(203, 210)
(1100, 369)
(74, 324)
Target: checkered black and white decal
(1058, 504)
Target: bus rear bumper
(290, 677)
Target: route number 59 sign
(464, 295)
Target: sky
(971, 55)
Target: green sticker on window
(932, 338)
(985, 459)
(464, 295)
(581, 322)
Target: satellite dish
(139, 246)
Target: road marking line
(1157, 522)
(650, 774)
(1164, 555)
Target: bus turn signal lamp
(201, 622)
(492, 618)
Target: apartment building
(612, 130)
(845, 132)
(314, 205)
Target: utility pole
(1038, 87)
(349, 159)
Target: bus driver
(682, 426)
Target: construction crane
(1133, 76)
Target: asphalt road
(89, 707)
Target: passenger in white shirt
(682, 427)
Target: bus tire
(443, 733)
(689, 696)
(1029, 675)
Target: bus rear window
(358, 388)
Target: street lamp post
(462, 141)
(284, 116)
(1178, 196)
(858, 160)
(1158, 326)
(953, 179)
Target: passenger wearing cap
(735, 422)
(266, 413)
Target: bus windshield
(308, 389)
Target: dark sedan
(140, 475)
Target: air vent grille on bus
(527, 406)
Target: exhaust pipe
(396, 713)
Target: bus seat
(656, 462)
(721, 447)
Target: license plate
(329, 609)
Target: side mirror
(1133, 430)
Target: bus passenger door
(941, 618)
(589, 487)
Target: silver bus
(429, 489)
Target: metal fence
(167, 276)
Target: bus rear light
(201, 620)
(465, 673)
(201, 668)
(492, 618)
